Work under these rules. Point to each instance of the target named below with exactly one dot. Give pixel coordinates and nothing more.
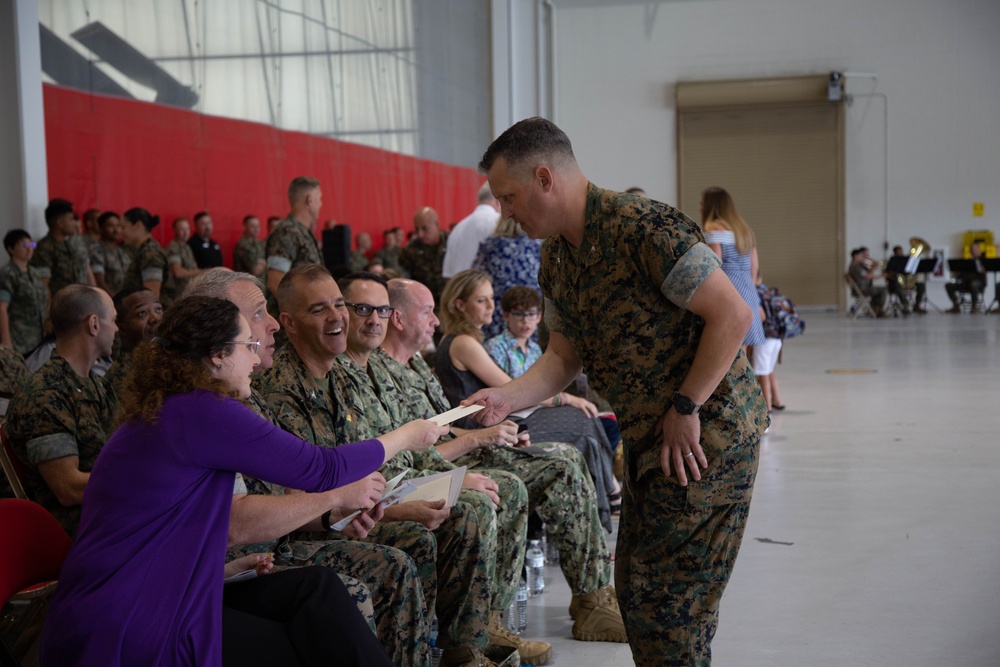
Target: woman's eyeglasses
(253, 345)
(366, 309)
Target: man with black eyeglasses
(499, 499)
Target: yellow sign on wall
(978, 209)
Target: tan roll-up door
(783, 165)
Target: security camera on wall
(835, 87)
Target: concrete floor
(884, 478)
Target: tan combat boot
(465, 656)
(532, 653)
(596, 617)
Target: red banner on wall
(113, 154)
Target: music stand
(898, 264)
(992, 265)
(962, 266)
(926, 266)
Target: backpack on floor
(781, 320)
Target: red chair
(11, 465)
(35, 546)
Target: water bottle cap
(533, 543)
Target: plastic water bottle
(436, 653)
(534, 560)
(551, 555)
(517, 613)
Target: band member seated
(862, 271)
(906, 286)
(972, 283)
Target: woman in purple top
(143, 583)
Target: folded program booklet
(442, 486)
(394, 492)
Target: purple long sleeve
(229, 436)
(143, 583)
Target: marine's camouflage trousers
(673, 563)
(452, 563)
(561, 490)
(382, 579)
(506, 529)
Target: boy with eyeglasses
(514, 350)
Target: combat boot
(596, 617)
(465, 656)
(532, 653)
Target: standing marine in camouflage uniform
(248, 255)
(149, 262)
(24, 301)
(635, 296)
(383, 581)
(291, 243)
(423, 257)
(181, 264)
(63, 415)
(308, 400)
(109, 261)
(61, 256)
(559, 485)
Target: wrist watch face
(684, 405)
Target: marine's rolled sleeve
(50, 447)
(688, 273)
(279, 263)
(239, 486)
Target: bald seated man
(60, 419)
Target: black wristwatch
(325, 520)
(684, 405)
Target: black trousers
(302, 616)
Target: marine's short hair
(13, 237)
(529, 141)
(299, 186)
(56, 209)
(351, 278)
(304, 274)
(72, 305)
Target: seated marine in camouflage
(307, 395)
(60, 419)
(559, 485)
(384, 581)
(374, 394)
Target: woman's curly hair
(174, 362)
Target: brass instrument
(918, 246)
(873, 264)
